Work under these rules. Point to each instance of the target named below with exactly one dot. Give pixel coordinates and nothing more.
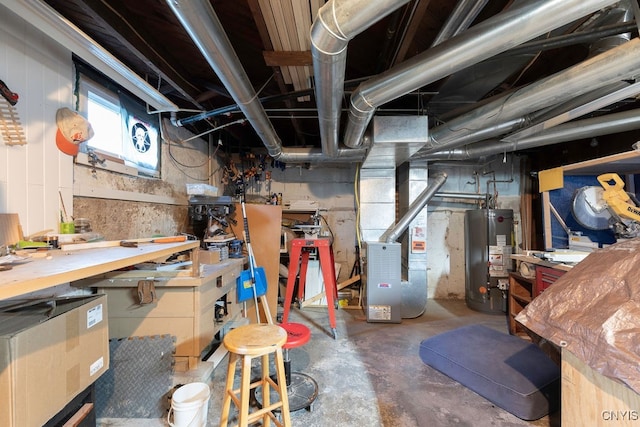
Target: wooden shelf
(522, 299)
(522, 290)
(520, 294)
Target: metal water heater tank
(488, 247)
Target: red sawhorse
(299, 257)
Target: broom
(254, 279)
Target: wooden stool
(247, 342)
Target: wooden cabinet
(521, 291)
(184, 306)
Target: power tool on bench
(608, 207)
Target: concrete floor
(372, 375)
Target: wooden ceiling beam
(287, 59)
(259, 19)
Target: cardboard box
(210, 257)
(50, 350)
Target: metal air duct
(584, 82)
(460, 19)
(337, 22)
(587, 128)
(495, 35)
(421, 201)
(205, 29)
(607, 68)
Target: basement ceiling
(272, 41)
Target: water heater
(488, 246)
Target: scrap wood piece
(79, 416)
(322, 294)
(10, 229)
(127, 243)
(10, 125)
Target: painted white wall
(32, 175)
(445, 220)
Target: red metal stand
(299, 257)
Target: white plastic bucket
(190, 405)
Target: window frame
(113, 161)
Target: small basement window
(126, 136)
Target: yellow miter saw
(608, 207)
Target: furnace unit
(383, 264)
(382, 271)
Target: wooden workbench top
(538, 261)
(174, 278)
(67, 266)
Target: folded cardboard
(50, 350)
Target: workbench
(183, 306)
(58, 267)
(61, 267)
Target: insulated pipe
(587, 128)
(203, 26)
(316, 155)
(337, 22)
(612, 66)
(495, 35)
(417, 206)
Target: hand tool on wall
(63, 214)
(11, 97)
(12, 131)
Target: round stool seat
(255, 339)
(302, 390)
(297, 334)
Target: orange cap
(73, 129)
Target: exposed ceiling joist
(288, 59)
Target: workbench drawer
(545, 277)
